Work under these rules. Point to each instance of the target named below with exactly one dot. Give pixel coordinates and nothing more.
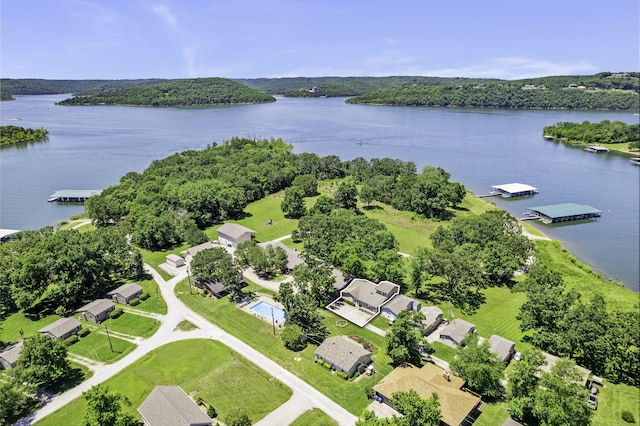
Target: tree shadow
(73, 378)
(372, 208)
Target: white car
(517, 356)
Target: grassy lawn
(155, 303)
(155, 258)
(493, 413)
(10, 327)
(96, 346)
(443, 351)
(259, 335)
(133, 324)
(207, 369)
(314, 417)
(613, 400)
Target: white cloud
(165, 14)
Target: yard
(96, 346)
(155, 303)
(129, 323)
(206, 369)
(314, 417)
(11, 326)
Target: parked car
(517, 356)
(592, 401)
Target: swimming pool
(266, 309)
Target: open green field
(133, 324)
(314, 417)
(10, 327)
(96, 346)
(613, 400)
(207, 369)
(259, 335)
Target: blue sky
(127, 39)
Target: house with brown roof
(453, 334)
(171, 406)
(9, 355)
(125, 293)
(456, 404)
(502, 347)
(344, 354)
(432, 318)
(392, 308)
(62, 328)
(97, 311)
(232, 234)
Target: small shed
(125, 293)
(62, 328)
(174, 260)
(344, 354)
(171, 406)
(9, 355)
(232, 234)
(432, 318)
(453, 335)
(502, 347)
(97, 311)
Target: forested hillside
(579, 92)
(604, 132)
(188, 92)
(34, 86)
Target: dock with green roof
(73, 195)
(566, 212)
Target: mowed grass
(155, 258)
(96, 346)
(443, 351)
(203, 368)
(11, 326)
(155, 303)
(136, 325)
(259, 335)
(314, 417)
(613, 399)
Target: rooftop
(126, 290)
(341, 351)
(234, 230)
(514, 188)
(96, 307)
(11, 353)
(564, 210)
(501, 346)
(60, 327)
(293, 256)
(457, 329)
(75, 193)
(171, 406)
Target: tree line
(186, 92)
(603, 132)
(17, 134)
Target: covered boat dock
(564, 212)
(73, 195)
(510, 190)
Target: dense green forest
(34, 86)
(6, 97)
(188, 92)
(603, 132)
(504, 95)
(16, 134)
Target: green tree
(316, 280)
(217, 264)
(417, 411)
(237, 417)
(405, 338)
(307, 183)
(42, 360)
(522, 384)
(293, 203)
(346, 196)
(367, 194)
(481, 368)
(303, 311)
(15, 398)
(293, 337)
(106, 408)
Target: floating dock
(6, 234)
(73, 195)
(596, 149)
(510, 190)
(556, 213)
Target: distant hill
(604, 91)
(184, 92)
(33, 86)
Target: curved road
(304, 396)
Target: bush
(627, 416)
(144, 295)
(356, 374)
(116, 312)
(293, 338)
(342, 374)
(84, 332)
(211, 412)
(134, 302)
(71, 340)
(370, 392)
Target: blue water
(265, 309)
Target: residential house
(502, 347)
(367, 295)
(97, 311)
(192, 251)
(453, 334)
(171, 406)
(344, 354)
(125, 293)
(397, 304)
(457, 406)
(214, 287)
(62, 328)
(9, 355)
(432, 318)
(293, 256)
(232, 234)
(174, 260)
(551, 360)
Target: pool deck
(260, 298)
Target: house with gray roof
(171, 406)
(293, 256)
(97, 311)
(397, 304)
(192, 251)
(432, 318)
(9, 355)
(453, 334)
(232, 234)
(344, 354)
(502, 347)
(125, 293)
(367, 295)
(550, 361)
(62, 328)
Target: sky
(131, 39)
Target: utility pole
(189, 277)
(108, 336)
(273, 322)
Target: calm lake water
(92, 147)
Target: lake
(91, 147)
